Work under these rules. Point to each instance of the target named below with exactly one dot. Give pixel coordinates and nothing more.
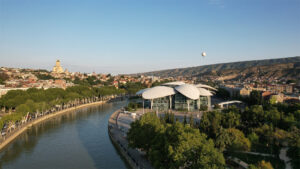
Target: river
(74, 140)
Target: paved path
(239, 162)
(119, 124)
(283, 156)
(256, 153)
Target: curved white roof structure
(230, 102)
(205, 86)
(141, 91)
(190, 91)
(204, 92)
(177, 83)
(158, 92)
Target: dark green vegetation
(287, 67)
(39, 100)
(262, 127)
(132, 106)
(173, 145)
(132, 87)
(3, 77)
(252, 159)
(90, 81)
(43, 76)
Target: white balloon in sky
(203, 54)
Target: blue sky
(127, 36)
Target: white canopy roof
(230, 102)
(141, 91)
(176, 83)
(190, 91)
(205, 86)
(204, 92)
(158, 92)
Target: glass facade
(161, 103)
(179, 102)
(203, 100)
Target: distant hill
(281, 67)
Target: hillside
(282, 67)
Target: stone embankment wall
(23, 128)
(113, 126)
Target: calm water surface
(74, 140)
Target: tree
(182, 146)
(254, 116)
(261, 165)
(173, 145)
(191, 121)
(253, 138)
(3, 78)
(273, 99)
(230, 119)
(23, 108)
(255, 98)
(211, 123)
(184, 120)
(232, 139)
(143, 131)
(294, 147)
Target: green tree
(254, 116)
(184, 120)
(143, 131)
(182, 146)
(255, 98)
(232, 139)
(211, 123)
(191, 121)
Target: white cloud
(219, 3)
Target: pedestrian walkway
(134, 157)
(283, 156)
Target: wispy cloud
(218, 3)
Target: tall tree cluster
(173, 145)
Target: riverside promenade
(16, 132)
(135, 158)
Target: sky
(130, 36)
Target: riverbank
(133, 157)
(41, 119)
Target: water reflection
(72, 140)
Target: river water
(75, 140)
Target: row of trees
(33, 100)
(173, 145)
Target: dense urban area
(252, 135)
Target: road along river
(77, 139)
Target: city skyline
(129, 37)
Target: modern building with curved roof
(178, 96)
